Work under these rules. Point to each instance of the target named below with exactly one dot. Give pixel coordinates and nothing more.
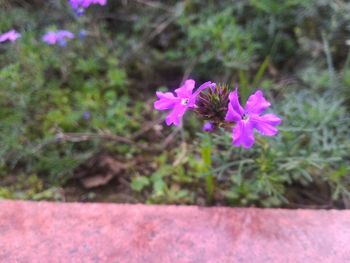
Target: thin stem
(206, 152)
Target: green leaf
(139, 183)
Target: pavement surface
(80, 232)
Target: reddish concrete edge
(76, 232)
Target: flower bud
(212, 104)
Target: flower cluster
(184, 99)
(220, 107)
(79, 6)
(59, 37)
(11, 35)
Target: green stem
(207, 168)
(210, 186)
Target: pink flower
(60, 37)
(179, 104)
(249, 118)
(9, 36)
(100, 2)
(80, 5)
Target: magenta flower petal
(80, 5)
(50, 38)
(11, 35)
(249, 119)
(266, 124)
(186, 89)
(85, 3)
(243, 134)
(101, 2)
(232, 115)
(212, 86)
(65, 34)
(235, 110)
(256, 103)
(166, 100)
(54, 37)
(202, 87)
(180, 103)
(175, 116)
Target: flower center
(184, 101)
(245, 117)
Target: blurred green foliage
(297, 51)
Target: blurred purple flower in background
(179, 104)
(57, 37)
(100, 2)
(11, 35)
(208, 127)
(86, 115)
(82, 34)
(249, 118)
(79, 6)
